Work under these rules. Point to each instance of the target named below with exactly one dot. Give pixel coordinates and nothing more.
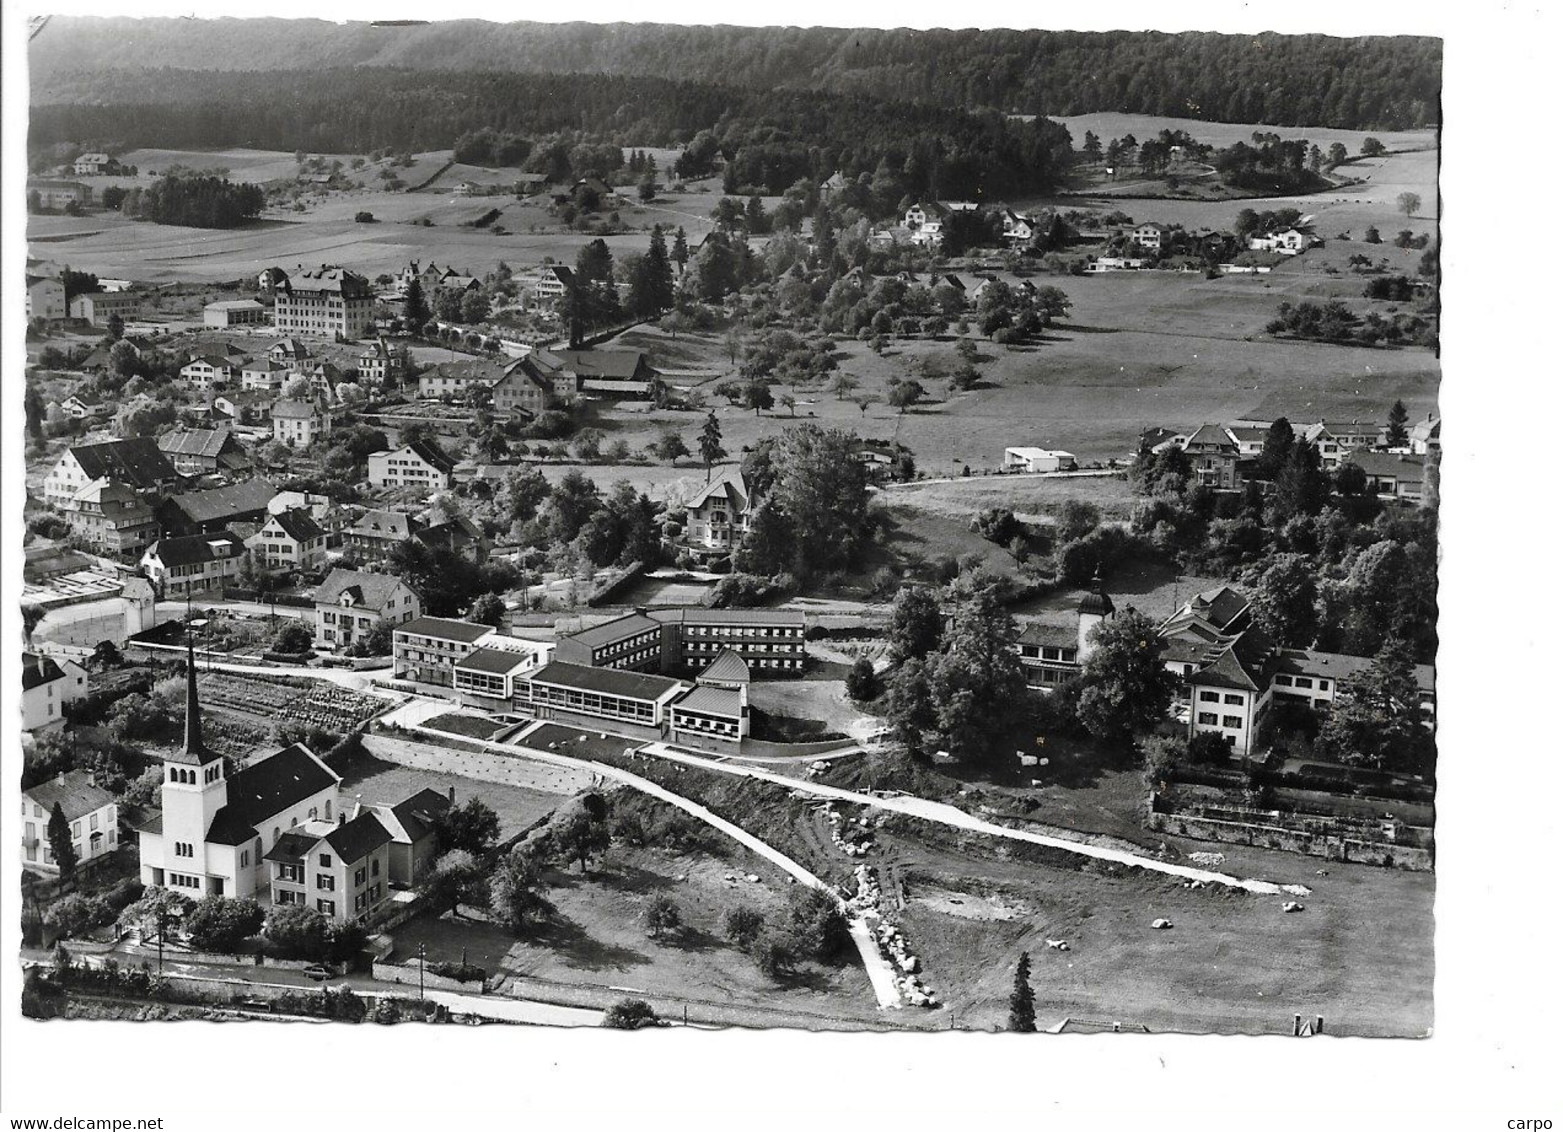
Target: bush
(816, 924)
(661, 916)
(76, 914)
(461, 972)
(294, 931)
(775, 954)
(630, 1014)
(294, 637)
(222, 925)
(863, 681)
(743, 926)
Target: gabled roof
(370, 590)
(39, 670)
(607, 681)
(75, 792)
(136, 461)
(730, 489)
(298, 524)
(430, 454)
(356, 839)
(262, 791)
(1210, 434)
(205, 442)
(294, 410)
(1049, 633)
(1404, 468)
(729, 667)
(291, 848)
(386, 524)
(188, 550)
(416, 816)
(242, 498)
(618, 364)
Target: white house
(718, 516)
(418, 464)
(1150, 236)
(289, 540)
(209, 370)
(1038, 460)
(192, 564)
(340, 869)
(349, 603)
(1289, 242)
(90, 810)
(48, 684)
(298, 423)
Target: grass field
(376, 782)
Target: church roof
(262, 791)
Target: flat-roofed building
(638, 698)
(769, 640)
(633, 641)
(426, 650)
(97, 307)
(234, 312)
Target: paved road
(175, 610)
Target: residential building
(1213, 455)
(97, 307)
(349, 603)
(98, 360)
(454, 379)
(216, 509)
(289, 540)
(48, 684)
(1052, 653)
(522, 389)
(413, 824)
(1150, 236)
(264, 374)
(562, 688)
(1334, 439)
(1018, 229)
(1288, 242)
(90, 810)
(375, 535)
(426, 650)
(611, 375)
(193, 564)
(832, 185)
(298, 424)
(770, 641)
(551, 284)
(459, 534)
(378, 366)
(210, 371)
(287, 350)
(1426, 436)
(215, 828)
(46, 299)
(204, 451)
(136, 462)
(419, 464)
(111, 517)
(93, 164)
(74, 406)
(270, 280)
(718, 516)
(54, 195)
(1395, 476)
(251, 407)
(633, 641)
(1038, 460)
(325, 302)
(341, 870)
(235, 312)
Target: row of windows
(737, 632)
(184, 880)
(1235, 699)
(636, 711)
(184, 849)
(1301, 682)
(1231, 722)
(366, 898)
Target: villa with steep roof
(89, 810)
(349, 603)
(717, 517)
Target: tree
(862, 680)
(583, 836)
(220, 924)
(474, 307)
(297, 931)
(1337, 155)
(916, 625)
(488, 609)
(977, 683)
(1277, 450)
(1285, 601)
(158, 910)
(757, 395)
(743, 926)
(105, 656)
(1409, 203)
(471, 826)
(908, 705)
(1371, 236)
(997, 525)
(1022, 999)
(822, 489)
(1076, 519)
(1372, 147)
(816, 924)
(293, 638)
(1395, 435)
(455, 879)
(515, 896)
(1126, 688)
(904, 394)
(711, 449)
(629, 1014)
(61, 847)
(662, 916)
(842, 384)
(1380, 722)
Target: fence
(408, 974)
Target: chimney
(341, 818)
(42, 668)
(1296, 1025)
(451, 794)
(60, 781)
(358, 805)
(1318, 1023)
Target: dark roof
(372, 590)
(293, 410)
(137, 461)
(616, 364)
(432, 455)
(419, 813)
(1339, 666)
(712, 701)
(354, 840)
(332, 279)
(290, 848)
(729, 668)
(385, 524)
(608, 681)
(1401, 467)
(74, 791)
(495, 661)
(1247, 661)
(39, 670)
(187, 550)
(1048, 633)
(49, 561)
(262, 790)
(298, 524)
(1210, 434)
(236, 499)
(446, 628)
(619, 629)
(693, 616)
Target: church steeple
(195, 748)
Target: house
(459, 534)
(1400, 477)
(298, 424)
(1213, 455)
(203, 451)
(349, 603)
(551, 284)
(455, 378)
(90, 810)
(325, 302)
(378, 366)
(209, 371)
(93, 164)
(48, 684)
(610, 375)
(560, 688)
(266, 375)
(247, 407)
(425, 650)
(718, 515)
(921, 214)
(111, 517)
(770, 641)
(136, 462)
(74, 406)
(234, 312)
(271, 280)
(522, 389)
(377, 534)
(1018, 229)
(98, 360)
(1426, 436)
(340, 869)
(1052, 653)
(215, 828)
(1150, 236)
(1113, 263)
(193, 564)
(633, 641)
(419, 464)
(53, 194)
(216, 509)
(1038, 460)
(288, 350)
(930, 233)
(832, 185)
(413, 823)
(289, 540)
(46, 299)
(1288, 242)
(97, 307)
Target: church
(216, 828)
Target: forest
(1309, 80)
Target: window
(1234, 700)
(1232, 722)
(1324, 685)
(1304, 682)
(374, 867)
(325, 883)
(1209, 697)
(1207, 718)
(326, 907)
(358, 879)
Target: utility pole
(422, 963)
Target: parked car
(318, 973)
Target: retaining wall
(1328, 846)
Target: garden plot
(313, 704)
